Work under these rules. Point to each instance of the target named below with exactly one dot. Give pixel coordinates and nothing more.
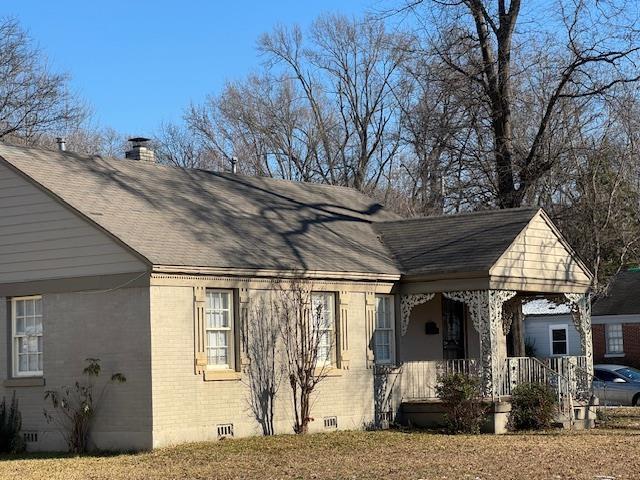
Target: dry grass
(602, 453)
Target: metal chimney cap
(139, 140)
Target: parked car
(617, 385)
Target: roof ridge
(86, 156)
(464, 214)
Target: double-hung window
(559, 339)
(26, 331)
(614, 341)
(383, 337)
(219, 329)
(323, 319)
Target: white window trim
(332, 330)
(14, 347)
(231, 345)
(609, 354)
(566, 330)
(392, 329)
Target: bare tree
(263, 371)
(582, 52)
(307, 344)
(33, 100)
(179, 146)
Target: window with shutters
(26, 332)
(384, 335)
(323, 322)
(219, 329)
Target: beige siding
(112, 326)
(40, 239)
(537, 258)
(187, 408)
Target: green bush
(461, 397)
(533, 407)
(10, 425)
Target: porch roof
(517, 249)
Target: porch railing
(420, 378)
(565, 375)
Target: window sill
(614, 355)
(24, 382)
(221, 375)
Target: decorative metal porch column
(581, 315)
(485, 310)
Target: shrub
(533, 407)
(461, 397)
(10, 425)
(75, 406)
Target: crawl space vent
(330, 422)
(225, 430)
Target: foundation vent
(30, 437)
(330, 422)
(225, 430)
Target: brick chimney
(140, 150)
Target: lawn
(610, 452)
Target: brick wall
(631, 339)
(188, 408)
(631, 336)
(112, 326)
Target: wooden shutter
(200, 356)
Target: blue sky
(139, 63)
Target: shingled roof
(195, 218)
(469, 242)
(173, 216)
(622, 296)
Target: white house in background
(549, 330)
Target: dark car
(617, 385)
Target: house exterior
(154, 270)
(616, 322)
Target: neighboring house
(616, 322)
(549, 329)
(615, 319)
(154, 270)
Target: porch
(464, 280)
(481, 333)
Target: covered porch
(460, 306)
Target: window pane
(38, 306)
(19, 308)
(22, 345)
(559, 348)
(37, 327)
(559, 334)
(20, 326)
(30, 307)
(217, 339)
(218, 319)
(22, 363)
(40, 362)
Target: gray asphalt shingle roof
(469, 242)
(622, 297)
(197, 218)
